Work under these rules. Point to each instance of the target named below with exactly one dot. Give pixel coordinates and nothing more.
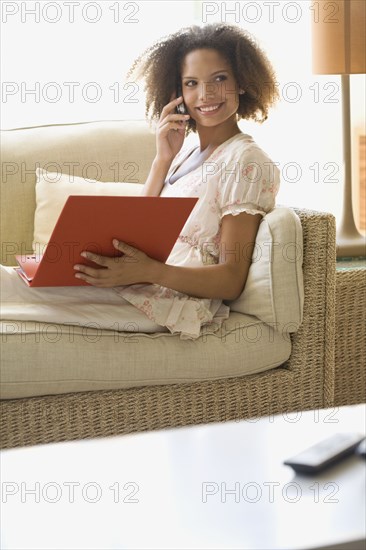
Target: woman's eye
(219, 77)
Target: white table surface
(166, 489)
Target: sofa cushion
(44, 359)
(274, 291)
(112, 150)
(52, 191)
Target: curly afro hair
(160, 66)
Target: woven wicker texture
(305, 381)
(350, 344)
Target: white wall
(303, 134)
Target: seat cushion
(44, 359)
(274, 291)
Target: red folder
(151, 224)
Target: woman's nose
(208, 91)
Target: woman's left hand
(133, 267)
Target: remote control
(325, 453)
(361, 449)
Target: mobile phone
(181, 109)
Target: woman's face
(209, 88)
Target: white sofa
(60, 382)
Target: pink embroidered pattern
(193, 237)
(189, 240)
(146, 307)
(169, 293)
(215, 202)
(273, 188)
(246, 171)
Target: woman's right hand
(171, 130)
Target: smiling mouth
(209, 108)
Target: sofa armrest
(316, 336)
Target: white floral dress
(237, 177)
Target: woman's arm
(209, 281)
(225, 280)
(156, 178)
(170, 135)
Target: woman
(223, 77)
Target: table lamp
(339, 47)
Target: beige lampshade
(338, 34)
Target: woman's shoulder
(245, 151)
(243, 146)
(245, 157)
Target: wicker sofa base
(350, 342)
(84, 415)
